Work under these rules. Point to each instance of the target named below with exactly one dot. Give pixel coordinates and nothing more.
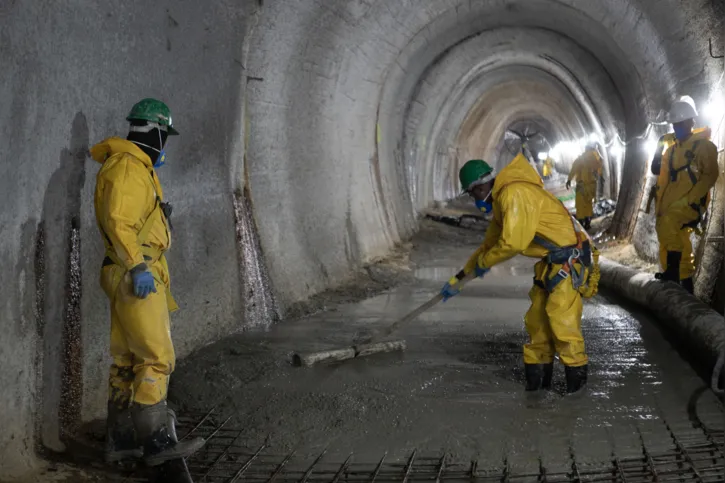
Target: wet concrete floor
(458, 388)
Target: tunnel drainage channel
(696, 456)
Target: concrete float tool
(371, 345)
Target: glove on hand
(481, 272)
(450, 290)
(143, 281)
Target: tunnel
(316, 135)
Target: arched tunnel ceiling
(366, 101)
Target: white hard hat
(682, 110)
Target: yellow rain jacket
(128, 192)
(689, 170)
(135, 230)
(522, 210)
(586, 170)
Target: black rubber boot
(120, 436)
(576, 378)
(688, 285)
(672, 271)
(547, 375)
(174, 471)
(152, 429)
(534, 376)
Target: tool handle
(415, 313)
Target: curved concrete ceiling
(368, 107)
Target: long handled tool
(371, 345)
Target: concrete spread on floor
(458, 388)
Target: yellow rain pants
(135, 231)
(522, 210)
(141, 347)
(554, 323)
(687, 262)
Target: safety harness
(689, 156)
(567, 257)
(674, 173)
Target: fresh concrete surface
(459, 386)
(350, 106)
(700, 329)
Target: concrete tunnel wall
(71, 73)
(356, 100)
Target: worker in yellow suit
(587, 170)
(687, 262)
(529, 220)
(548, 168)
(688, 171)
(134, 223)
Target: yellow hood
(115, 145)
(518, 170)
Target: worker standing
(529, 220)
(548, 168)
(587, 170)
(688, 170)
(134, 223)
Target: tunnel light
(543, 156)
(650, 146)
(595, 138)
(616, 149)
(714, 111)
(567, 148)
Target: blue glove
(143, 281)
(450, 290)
(480, 272)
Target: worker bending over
(529, 220)
(688, 170)
(587, 170)
(133, 221)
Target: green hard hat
(152, 110)
(473, 171)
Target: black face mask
(152, 143)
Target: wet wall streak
(72, 385)
(260, 307)
(60, 286)
(39, 312)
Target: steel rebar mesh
(692, 454)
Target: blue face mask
(161, 160)
(484, 205)
(681, 132)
